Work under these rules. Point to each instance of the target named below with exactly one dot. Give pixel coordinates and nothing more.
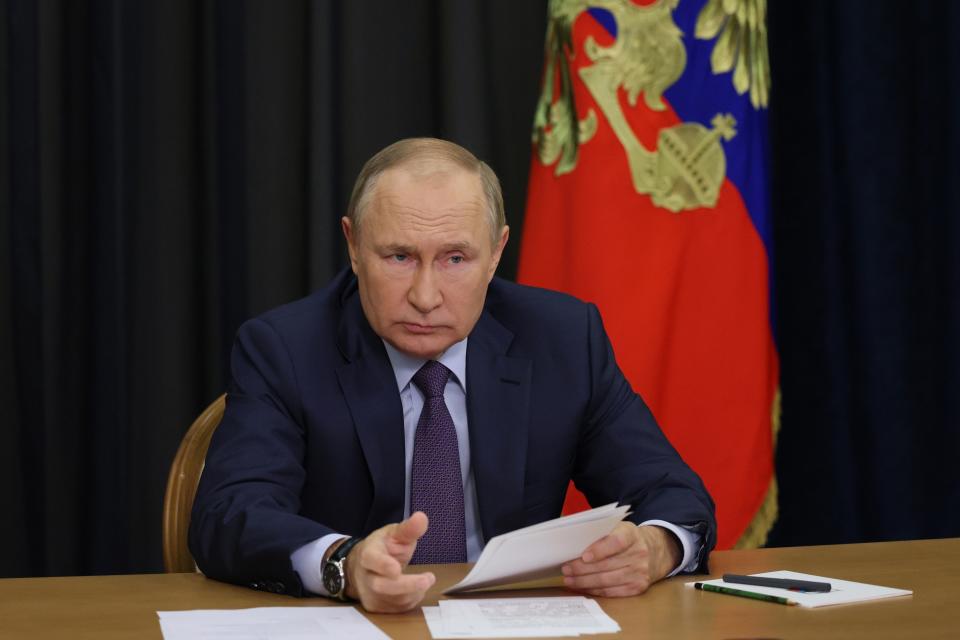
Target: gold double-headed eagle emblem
(688, 166)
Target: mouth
(420, 329)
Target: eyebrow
(404, 248)
(457, 246)
(396, 248)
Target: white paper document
(841, 591)
(265, 623)
(518, 618)
(539, 550)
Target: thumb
(411, 529)
(401, 540)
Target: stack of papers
(841, 591)
(518, 618)
(539, 550)
(264, 623)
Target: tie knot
(431, 378)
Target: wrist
(336, 566)
(352, 573)
(669, 550)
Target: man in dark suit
(418, 406)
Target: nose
(424, 294)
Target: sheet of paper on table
(841, 591)
(265, 623)
(518, 618)
(539, 550)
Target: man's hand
(375, 567)
(625, 562)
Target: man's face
(423, 257)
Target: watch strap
(341, 552)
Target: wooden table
(106, 607)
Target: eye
(399, 257)
(456, 259)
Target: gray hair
(428, 150)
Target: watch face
(332, 579)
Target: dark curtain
(170, 168)
(867, 225)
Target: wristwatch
(334, 570)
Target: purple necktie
(435, 484)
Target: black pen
(779, 583)
(743, 594)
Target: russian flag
(660, 216)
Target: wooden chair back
(182, 488)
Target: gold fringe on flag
(765, 517)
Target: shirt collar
(405, 366)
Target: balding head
(423, 157)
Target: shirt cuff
(690, 541)
(307, 561)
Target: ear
(350, 234)
(498, 251)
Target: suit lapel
(498, 403)
(370, 390)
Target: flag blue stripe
(748, 158)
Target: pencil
(744, 594)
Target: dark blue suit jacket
(312, 438)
